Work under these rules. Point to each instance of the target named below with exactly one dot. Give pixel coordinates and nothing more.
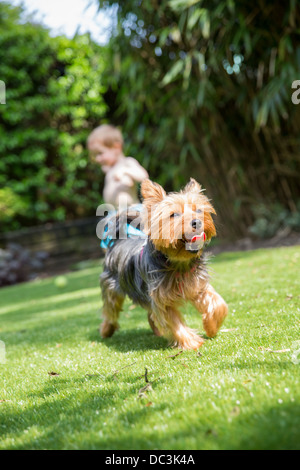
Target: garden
(199, 89)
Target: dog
(166, 267)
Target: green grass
(238, 393)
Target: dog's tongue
(197, 242)
(199, 238)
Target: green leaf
(173, 73)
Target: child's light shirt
(122, 180)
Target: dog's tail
(121, 225)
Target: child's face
(105, 156)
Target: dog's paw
(189, 340)
(107, 329)
(212, 323)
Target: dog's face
(178, 224)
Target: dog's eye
(175, 214)
(199, 211)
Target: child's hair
(107, 134)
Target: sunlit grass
(241, 391)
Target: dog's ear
(153, 193)
(192, 187)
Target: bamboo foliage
(204, 90)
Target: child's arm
(134, 170)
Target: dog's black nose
(196, 223)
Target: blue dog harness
(131, 232)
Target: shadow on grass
(273, 429)
(137, 339)
(83, 325)
(59, 420)
(61, 425)
(46, 314)
(276, 428)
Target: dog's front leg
(213, 308)
(170, 324)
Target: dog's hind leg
(153, 326)
(112, 305)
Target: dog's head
(178, 224)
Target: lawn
(63, 387)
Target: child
(122, 174)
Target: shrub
(53, 100)
(11, 205)
(270, 220)
(18, 264)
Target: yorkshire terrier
(166, 267)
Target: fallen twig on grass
(175, 355)
(261, 348)
(119, 370)
(148, 386)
